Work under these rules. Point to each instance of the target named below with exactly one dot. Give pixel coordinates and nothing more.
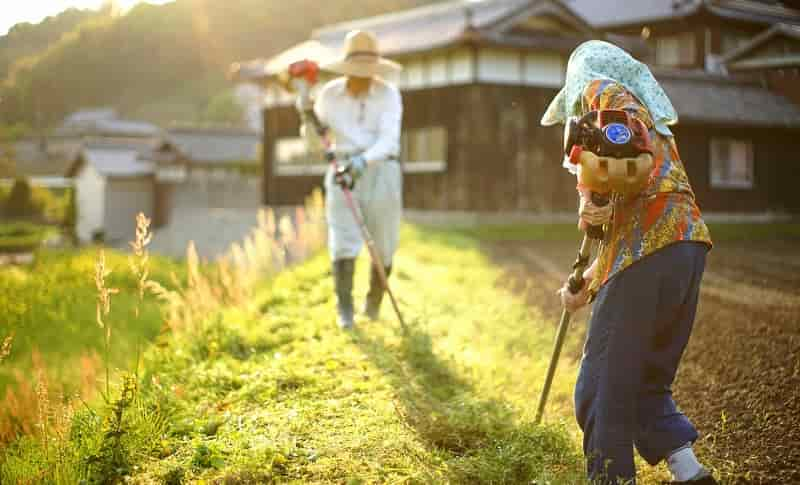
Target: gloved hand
(349, 171)
(574, 302)
(591, 214)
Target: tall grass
(272, 245)
(67, 440)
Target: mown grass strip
(278, 393)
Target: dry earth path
(740, 378)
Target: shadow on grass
(436, 403)
(480, 437)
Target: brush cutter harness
(612, 150)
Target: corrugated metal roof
(118, 162)
(216, 146)
(604, 14)
(707, 99)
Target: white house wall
(90, 189)
(461, 66)
(466, 66)
(499, 66)
(438, 71)
(543, 69)
(414, 74)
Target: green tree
(20, 203)
(224, 108)
(8, 135)
(177, 52)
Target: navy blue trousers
(639, 328)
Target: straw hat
(362, 58)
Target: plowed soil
(739, 381)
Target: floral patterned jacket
(665, 213)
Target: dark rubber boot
(343, 270)
(372, 307)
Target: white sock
(684, 465)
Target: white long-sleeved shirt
(368, 124)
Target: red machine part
(306, 69)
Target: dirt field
(739, 381)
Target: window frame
(728, 182)
(290, 168)
(430, 163)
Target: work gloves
(591, 214)
(349, 171)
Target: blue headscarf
(595, 60)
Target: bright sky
(36, 10)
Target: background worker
(645, 280)
(363, 113)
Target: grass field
(50, 307)
(274, 391)
(268, 390)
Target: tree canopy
(158, 62)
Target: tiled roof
(712, 99)
(216, 146)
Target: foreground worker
(645, 282)
(363, 112)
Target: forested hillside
(162, 62)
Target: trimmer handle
(596, 232)
(575, 283)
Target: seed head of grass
(139, 261)
(43, 403)
(103, 292)
(5, 348)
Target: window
(676, 50)
(424, 149)
(293, 158)
(731, 163)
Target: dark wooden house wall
(280, 122)
(776, 156)
(785, 82)
(499, 158)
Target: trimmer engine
(300, 76)
(612, 150)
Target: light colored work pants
(378, 194)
